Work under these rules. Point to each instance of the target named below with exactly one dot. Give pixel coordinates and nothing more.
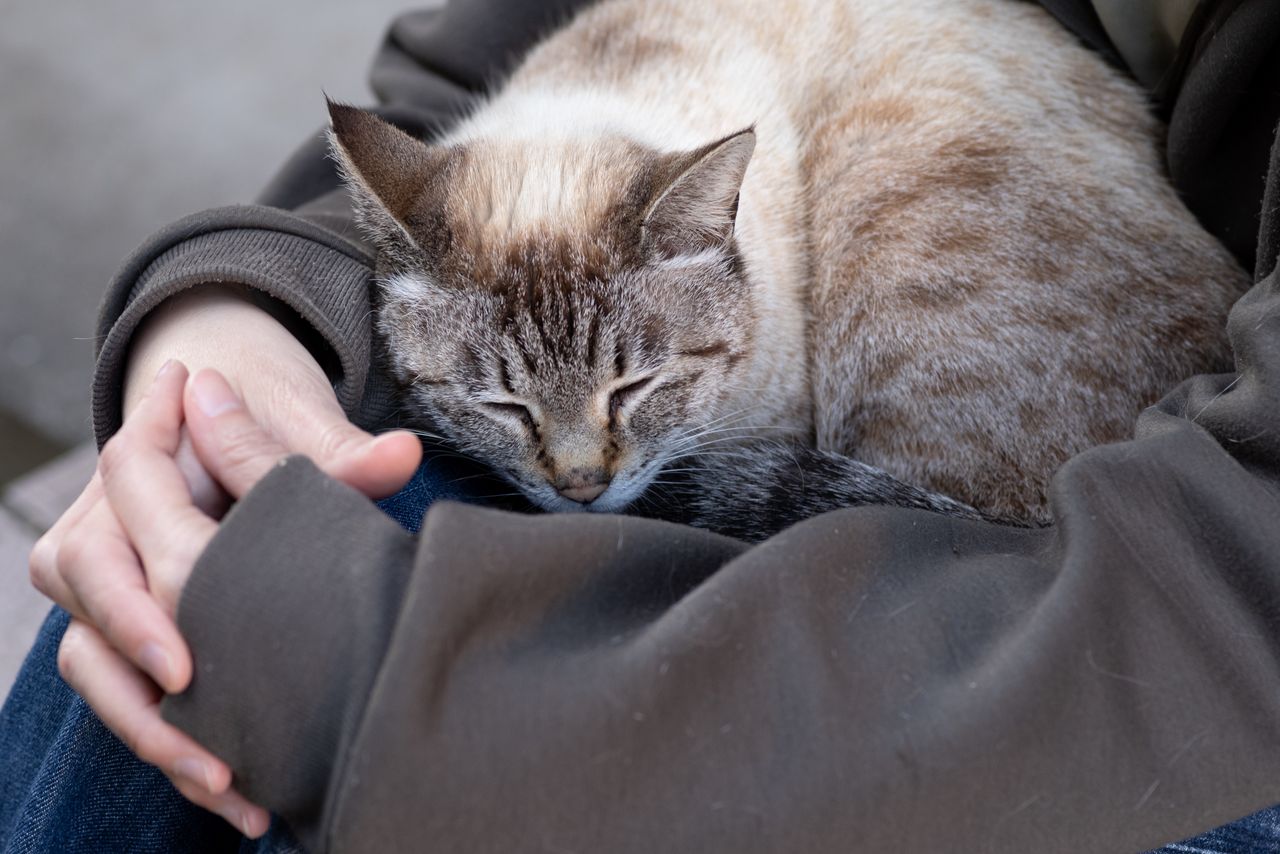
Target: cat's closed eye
(583, 281)
(508, 410)
(623, 395)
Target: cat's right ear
(387, 170)
(698, 202)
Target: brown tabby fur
(954, 254)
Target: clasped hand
(119, 558)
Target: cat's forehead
(505, 196)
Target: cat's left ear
(387, 170)
(698, 203)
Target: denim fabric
(68, 785)
(1258, 834)
(445, 475)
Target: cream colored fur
(966, 261)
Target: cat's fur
(934, 235)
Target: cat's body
(955, 254)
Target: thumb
(378, 466)
(231, 445)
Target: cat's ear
(387, 170)
(697, 203)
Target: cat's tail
(754, 491)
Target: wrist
(216, 326)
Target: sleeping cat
(740, 242)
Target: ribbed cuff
(288, 614)
(318, 274)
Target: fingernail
(237, 819)
(155, 661)
(213, 395)
(164, 369)
(195, 771)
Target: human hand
(124, 608)
(141, 481)
(283, 389)
(282, 386)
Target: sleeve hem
(288, 613)
(321, 276)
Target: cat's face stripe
(615, 355)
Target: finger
(377, 466)
(42, 564)
(241, 813)
(230, 444)
(148, 492)
(206, 493)
(155, 423)
(128, 703)
(98, 563)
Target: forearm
(322, 277)
(880, 677)
(210, 326)
(891, 678)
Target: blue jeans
(68, 785)
(1256, 834)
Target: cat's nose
(584, 494)
(583, 487)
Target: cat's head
(572, 312)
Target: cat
(729, 246)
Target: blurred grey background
(116, 118)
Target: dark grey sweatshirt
(872, 679)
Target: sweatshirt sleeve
(880, 679)
(300, 266)
(297, 249)
(873, 679)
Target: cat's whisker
(426, 434)
(743, 438)
(795, 320)
(706, 455)
(716, 447)
(715, 431)
(740, 414)
(724, 443)
(696, 441)
(1225, 389)
(482, 474)
(490, 496)
(432, 456)
(647, 499)
(745, 431)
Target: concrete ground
(116, 119)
